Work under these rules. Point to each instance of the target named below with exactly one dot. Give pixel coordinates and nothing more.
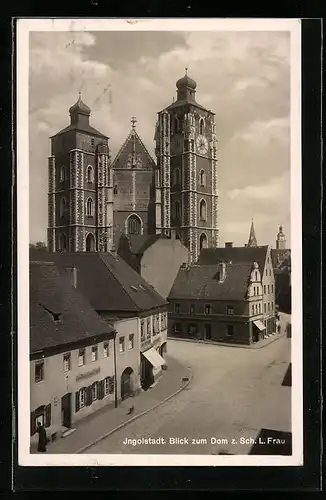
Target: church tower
(252, 241)
(187, 180)
(280, 239)
(80, 199)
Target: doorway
(208, 332)
(147, 377)
(66, 410)
(126, 383)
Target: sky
(244, 77)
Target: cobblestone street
(233, 395)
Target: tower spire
(252, 242)
(133, 122)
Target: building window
(272, 288)
(229, 330)
(269, 307)
(67, 362)
(81, 357)
(201, 126)
(106, 349)
(94, 391)
(90, 207)
(82, 397)
(131, 341)
(256, 276)
(272, 306)
(207, 308)
(90, 174)
(266, 272)
(106, 386)
(177, 308)
(202, 210)
(267, 288)
(134, 225)
(121, 344)
(256, 306)
(270, 272)
(229, 310)
(63, 206)
(177, 327)
(94, 353)
(254, 290)
(192, 308)
(93, 143)
(149, 329)
(115, 189)
(252, 309)
(264, 288)
(39, 371)
(192, 329)
(62, 173)
(202, 178)
(142, 330)
(264, 308)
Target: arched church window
(63, 206)
(177, 177)
(90, 207)
(202, 178)
(203, 241)
(90, 243)
(177, 210)
(62, 173)
(63, 242)
(90, 174)
(134, 224)
(202, 210)
(201, 126)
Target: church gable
(133, 153)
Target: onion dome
(186, 83)
(80, 108)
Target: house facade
(72, 363)
(222, 302)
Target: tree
(39, 245)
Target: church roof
(51, 290)
(133, 154)
(107, 281)
(184, 102)
(200, 282)
(77, 127)
(234, 254)
(80, 108)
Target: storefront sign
(88, 374)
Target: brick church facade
(93, 202)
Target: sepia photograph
(159, 242)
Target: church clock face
(202, 145)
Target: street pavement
(234, 393)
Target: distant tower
(187, 179)
(252, 242)
(80, 202)
(280, 239)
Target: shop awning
(154, 358)
(260, 325)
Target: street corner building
(103, 349)
(71, 366)
(227, 296)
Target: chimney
(228, 244)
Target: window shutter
(89, 395)
(48, 415)
(111, 385)
(33, 423)
(77, 401)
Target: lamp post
(115, 370)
